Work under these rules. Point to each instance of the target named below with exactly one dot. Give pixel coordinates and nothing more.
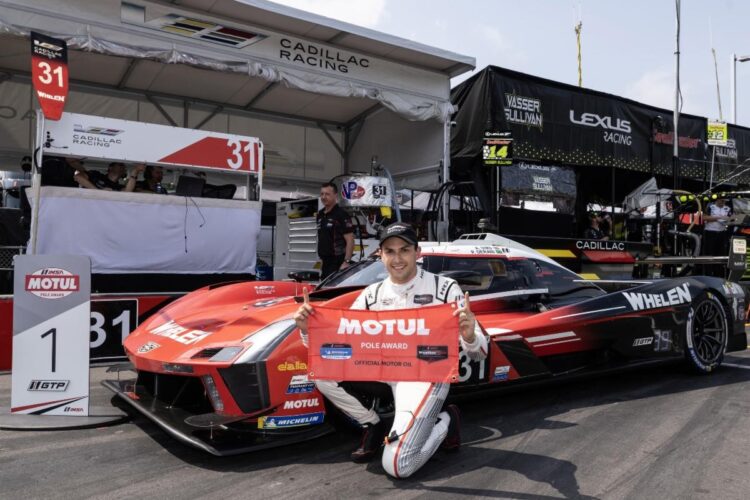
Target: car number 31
(470, 370)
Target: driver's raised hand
(466, 320)
(304, 312)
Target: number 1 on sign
(53, 332)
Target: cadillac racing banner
(403, 345)
(555, 122)
(49, 73)
(109, 138)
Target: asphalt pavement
(650, 433)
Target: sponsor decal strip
(28, 407)
(590, 312)
(551, 336)
(511, 293)
(558, 342)
(495, 331)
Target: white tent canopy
(306, 85)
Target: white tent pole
(36, 180)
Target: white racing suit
(417, 404)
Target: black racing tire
(706, 333)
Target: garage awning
(248, 55)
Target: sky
(627, 45)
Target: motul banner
(113, 139)
(403, 345)
(49, 72)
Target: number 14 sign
(51, 308)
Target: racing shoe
(372, 439)
(452, 441)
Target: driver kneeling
(419, 426)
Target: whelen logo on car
(52, 283)
(672, 297)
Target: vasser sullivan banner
(49, 73)
(404, 345)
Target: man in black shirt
(335, 232)
(594, 232)
(111, 181)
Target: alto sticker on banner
(404, 345)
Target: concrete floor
(651, 433)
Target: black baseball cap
(399, 230)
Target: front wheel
(706, 333)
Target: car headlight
(265, 340)
(213, 393)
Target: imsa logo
(49, 385)
(643, 341)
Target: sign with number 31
(49, 73)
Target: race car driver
(419, 426)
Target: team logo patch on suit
(423, 299)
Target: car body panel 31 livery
(224, 368)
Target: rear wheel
(706, 333)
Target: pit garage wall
(412, 151)
(294, 152)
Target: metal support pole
(733, 86)
(676, 145)
(443, 227)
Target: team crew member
(715, 234)
(335, 232)
(419, 427)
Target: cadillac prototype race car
(224, 368)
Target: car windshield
(362, 273)
(478, 276)
(481, 276)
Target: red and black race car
(224, 368)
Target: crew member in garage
(716, 233)
(595, 231)
(419, 426)
(111, 181)
(335, 232)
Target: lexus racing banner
(49, 73)
(404, 345)
(555, 122)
